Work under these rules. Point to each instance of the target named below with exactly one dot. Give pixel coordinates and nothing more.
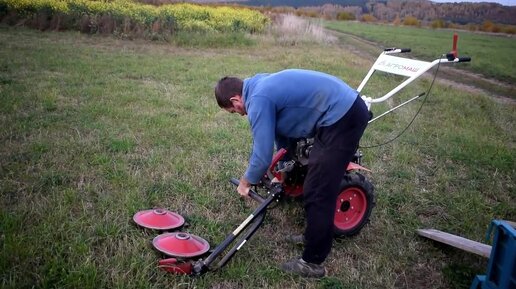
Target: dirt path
(465, 80)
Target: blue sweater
(291, 103)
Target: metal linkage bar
(396, 107)
(255, 218)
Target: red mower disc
(350, 208)
(159, 219)
(179, 244)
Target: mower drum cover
(181, 245)
(159, 219)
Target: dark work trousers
(333, 149)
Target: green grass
(211, 40)
(491, 55)
(95, 129)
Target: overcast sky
(503, 2)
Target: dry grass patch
(289, 29)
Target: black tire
(354, 205)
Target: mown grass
(491, 54)
(95, 129)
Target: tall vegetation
(411, 21)
(289, 29)
(130, 18)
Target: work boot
(303, 268)
(298, 240)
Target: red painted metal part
(277, 157)
(158, 219)
(179, 244)
(353, 166)
(350, 208)
(293, 191)
(455, 50)
(172, 265)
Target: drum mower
(191, 254)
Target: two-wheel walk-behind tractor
(191, 255)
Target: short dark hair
(226, 88)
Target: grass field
(493, 56)
(95, 129)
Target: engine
(296, 168)
(302, 150)
(304, 147)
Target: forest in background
(385, 11)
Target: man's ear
(236, 98)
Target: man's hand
(244, 187)
(281, 179)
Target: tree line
(388, 11)
(487, 17)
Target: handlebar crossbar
(410, 68)
(396, 50)
(252, 194)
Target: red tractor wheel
(354, 205)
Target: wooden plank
(457, 242)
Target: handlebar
(397, 50)
(254, 195)
(451, 57)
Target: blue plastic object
(478, 281)
(501, 269)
